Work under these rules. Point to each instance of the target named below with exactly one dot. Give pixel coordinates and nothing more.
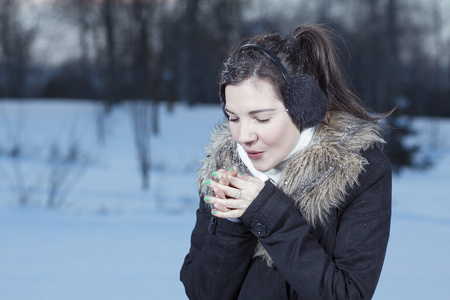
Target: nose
(247, 134)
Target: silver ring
(238, 195)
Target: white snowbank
(109, 239)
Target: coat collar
(316, 177)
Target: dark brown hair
(311, 50)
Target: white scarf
(274, 174)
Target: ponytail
(320, 61)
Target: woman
(295, 191)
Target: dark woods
(396, 51)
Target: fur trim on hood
(317, 177)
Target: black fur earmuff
(304, 99)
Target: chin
(261, 168)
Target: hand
(221, 176)
(234, 193)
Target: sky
(58, 40)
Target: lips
(254, 154)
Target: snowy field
(107, 238)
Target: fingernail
(240, 173)
(207, 198)
(214, 174)
(208, 182)
(232, 169)
(214, 212)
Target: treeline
(395, 51)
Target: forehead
(252, 93)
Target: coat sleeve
(352, 269)
(218, 259)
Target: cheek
(273, 135)
(234, 131)
(282, 137)
(271, 138)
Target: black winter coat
(340, 261)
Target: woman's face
(260, 123)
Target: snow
(109, 239)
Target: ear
(305, 101)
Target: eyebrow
(253, 112)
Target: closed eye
(262, 120)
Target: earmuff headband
(305, 101)
(275, 59)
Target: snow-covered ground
(109, 239)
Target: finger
(234, 171)
(227, 204)
(212, 200)
(231, 192)
(221, 207)
(243, 181)
(220, 176)
(224, 179)
(231, 203)
(236, 182)
(227, 215)
(237, 173)
(219, 192)
(219, 189)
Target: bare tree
(98, 24)
(142, 17)
(65, 168)
(109, 23)
(140, 118)
(145, 58)
(81, 13)
(189, 42)
(30, 169)
(23, 183)
(441, 63)
(15, 48)
(21, 180)
(206, 29)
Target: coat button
(260, 230)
